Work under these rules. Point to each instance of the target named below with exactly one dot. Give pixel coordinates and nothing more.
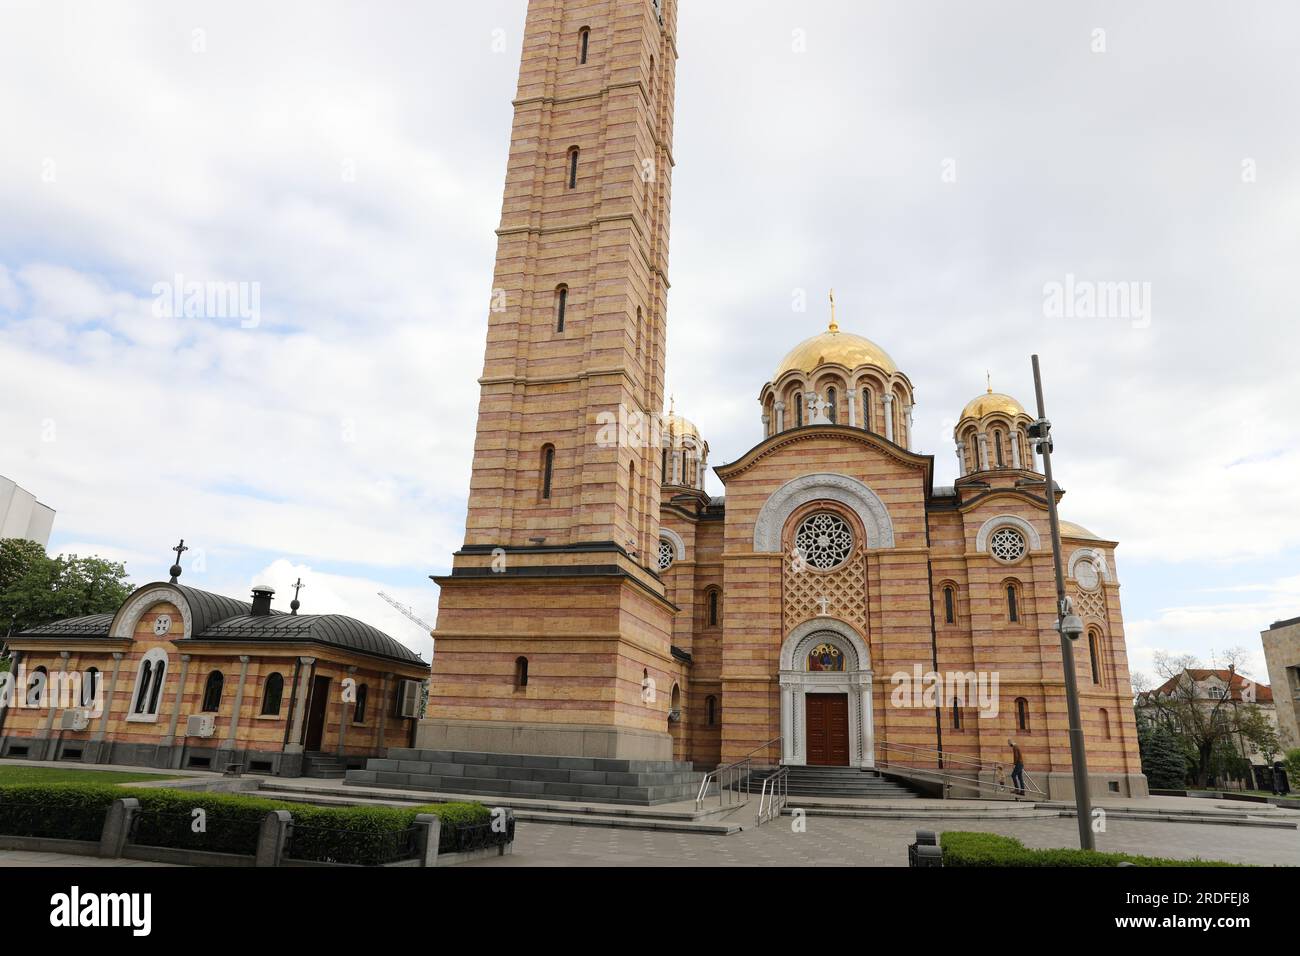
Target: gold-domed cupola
(992, 435)
(685, 452)
(839, 378)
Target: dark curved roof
(332, 629)
(93, 625)
(219, 618)
(208, 608)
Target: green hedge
(992, 849)
(357, 835)
(65, 811)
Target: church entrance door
(828, 730)
(320, 698)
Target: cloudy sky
(941, 165)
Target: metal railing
(732, 780)
(774, 796)
(957, 769)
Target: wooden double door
(828, 730)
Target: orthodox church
(604, 605)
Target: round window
(667, 554)
(1085, 572)
(1007, 545)
(825, 540)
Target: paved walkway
(831, 841)
(27, 858)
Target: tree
(1206, 723)
(42, 589)
(1163, 759)
(17, 557)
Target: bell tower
(553, 628)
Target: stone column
(177, 743)
(780, 416)
(677, 467)
(852, 395)
(809, 408)
(787, 723)
(102, 732)
(984, 451)
(703, 467)
(343, 714)
(239, 702)
(1015, 449)
(961, 459)
(300, 706)
(767, 424)
(868, 723)
(888, 399)
(911, 422)
(48, 730)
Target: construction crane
(415, 619)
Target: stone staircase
(323, 765)
(589, 779)
(838, 782)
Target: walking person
(1017, 768)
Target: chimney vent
(262, 594)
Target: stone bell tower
(553, 628)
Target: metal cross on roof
(176, 568)
(295, 603)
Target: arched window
(1103, 715)
(1013, 604)
(548, 470)
(798, 410)
(631, 495)
(149, 682)
(949, 604)
(832, 410)
(359, 711)
(1094, 655)
(640, 343)
(714, 595)
(663, 468)
(584, 45)
(38, 687)
(561, 306)
(573, 166)
(956, 715)
(975, 464)
(212, 692)
(521, 673)
(652, 78)
(711, 707)
(997, 447)
(272, 695)
(90, 687)
(1022, 714)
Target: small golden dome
(841, 348)
(992, 402)
(1071, 530)
(679, 426)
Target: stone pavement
(831, 841)
(27, 858)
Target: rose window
(1007, 544)
(667, 554)
(825, 541)
(1085, 572)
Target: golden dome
(679, 426)
(1071, 530)
(992, 402)
(841, 348)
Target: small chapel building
(179, 678)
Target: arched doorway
(826, 697)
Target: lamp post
(1068, 624)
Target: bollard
(117, 827)
(430, 825)
(271, 838)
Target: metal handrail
(949, 778)
(730, 778)
(774, 796)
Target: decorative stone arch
(796, 493)
(124, 622)
(1013, 521)
(854, 681)
(679, 546)
(1096, 557)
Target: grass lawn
(22, 774)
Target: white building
(22, 516)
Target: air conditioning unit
(74, 719)
(200, 725)
(408, 699)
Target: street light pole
(1068, 624)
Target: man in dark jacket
(1017, 769)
